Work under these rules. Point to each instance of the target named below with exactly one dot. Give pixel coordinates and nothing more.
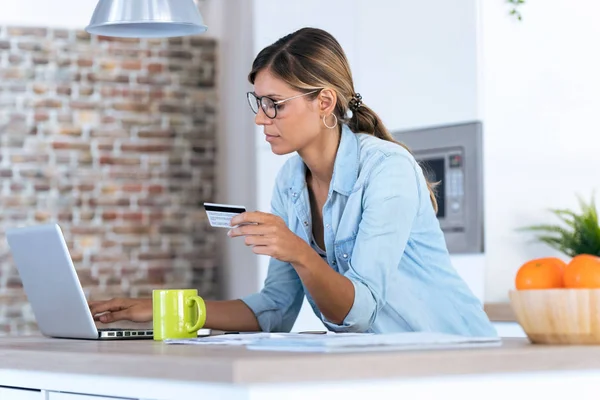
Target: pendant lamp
(146, 18)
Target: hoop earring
(325, 123)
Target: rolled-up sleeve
(391, 201)
(278, 304)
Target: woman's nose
(261, 118)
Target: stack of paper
(370, 342)
(343, 342)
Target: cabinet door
(9, 393)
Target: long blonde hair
(311, 59)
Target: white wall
(55, 13)
(542, 137)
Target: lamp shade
(146, 18)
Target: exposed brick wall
(115, 141)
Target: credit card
(220, 215)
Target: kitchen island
(37, 368)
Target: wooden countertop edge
(499, 312)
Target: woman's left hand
(269, 235)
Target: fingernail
(229, 233)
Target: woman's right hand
(119, 309)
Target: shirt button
(327, 226)
(334, 262)
(345, 255)
(305, 223)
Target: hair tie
(355, 102)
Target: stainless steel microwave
(452, 155)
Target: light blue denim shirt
(382, 234)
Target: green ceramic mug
(177, 313)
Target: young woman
(352, 225)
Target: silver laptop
(53, 288)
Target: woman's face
(298, 121)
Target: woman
(353, 223)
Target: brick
(65, 216)
(157, 94)
(132, 229)
(48, 103)
(85, 62)
(176, 54)
(108, 257)
(15, 142)
(110, 160)
(129, 174)
(132, 106)
(86, 187)
(105, 146)
(132, 216)
(27, 32)
(84, 159)
(83, 36)
(132, 65)
(16, 59)
(41, 116)
(208, 44)
(64, 90)
(109, 216)
(6, 173)
(74, 131)
(64, 117)
(17, 187)
(130, 53)
(32, 46)
(179, 94)
(107, 77)
(85, 91)
(155, 68)
(104, 201)
(86, 215)
(18, 201)
(156, 133)
(41, 187)
(146, 147)
(17, 88)
(156, 189)
(156, 201)
(103, 132)
(61, 34)
(173, 108)
(29, 158)
(39, 59)
(132, 188)
(4, 45)
(118, 39)
(154, 79)
(87, 230)
(70, 146)
(84, 105)
(63, 62)
(42, 216)
(16, 73)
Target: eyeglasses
(268, 105)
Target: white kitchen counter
(48, 369)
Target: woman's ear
(327, 101)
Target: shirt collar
(345, 167)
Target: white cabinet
(76, 396)
(8, 393)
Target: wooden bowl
(558, 316)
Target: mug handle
(199, 302)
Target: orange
(583, 272)
(540, 273)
